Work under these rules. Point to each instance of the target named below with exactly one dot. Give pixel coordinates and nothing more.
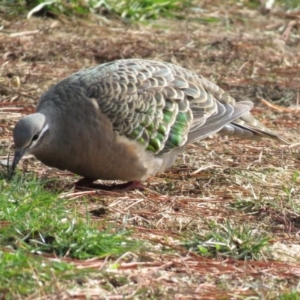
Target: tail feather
(250, 128)
(226, 113)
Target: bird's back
(163, 106)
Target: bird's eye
(35, 137)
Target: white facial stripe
(40, 135)
(43, 131)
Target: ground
(218, 185)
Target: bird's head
(28, 134)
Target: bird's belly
(120, 160)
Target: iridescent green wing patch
(179, 130)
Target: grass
(293, 295)
(229, 240)
(289, 190)
(22, 274)
(35, 221)
(286, 4)
(290, 4)
(39, 221)
(132, 10)
(26, 275)
(148, 9)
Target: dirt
(249, 54)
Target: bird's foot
(122, 187)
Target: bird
(129, 119)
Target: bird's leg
(122, 187)
(128, 186)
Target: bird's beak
(18, 155)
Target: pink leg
(122, 187)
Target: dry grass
(250, 55)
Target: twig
(16, 34)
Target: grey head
(27, 134)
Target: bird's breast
(91, 148)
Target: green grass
(289, 190)
(35, 221)
(22, 274)
(132, 10)
(293, 295)
(26, 275)
(254, 4)
(289, 4)
(40, 221)
(229, 240)
(148, 9)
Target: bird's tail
(249, 128)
